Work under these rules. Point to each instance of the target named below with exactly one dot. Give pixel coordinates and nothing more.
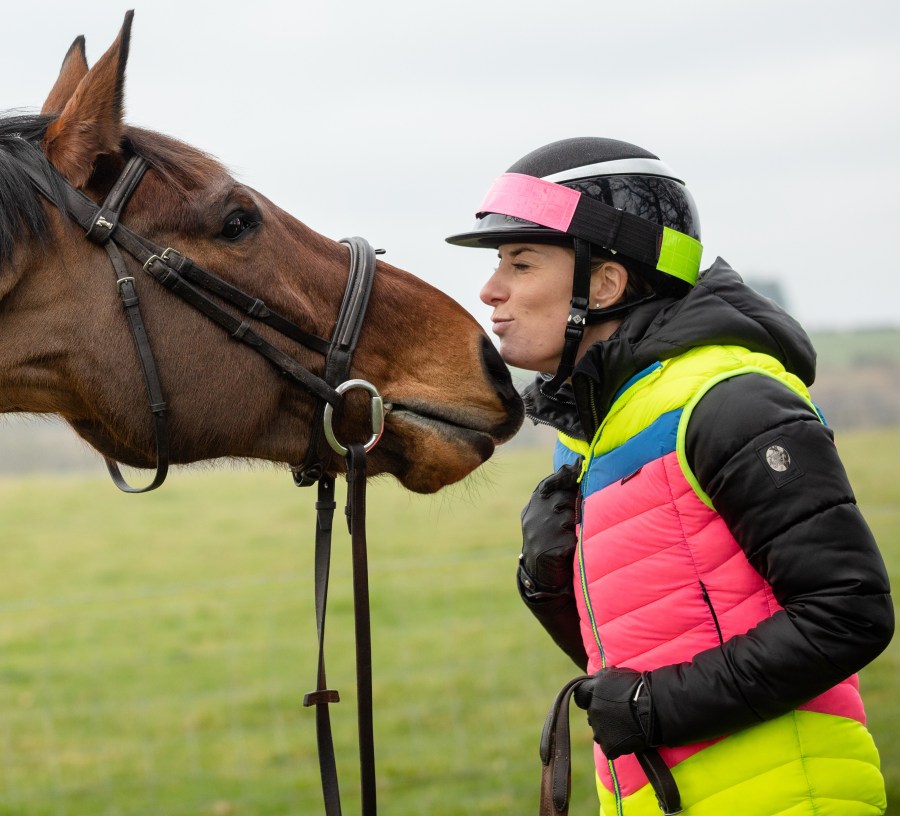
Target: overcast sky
(390, 119)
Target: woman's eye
(238, 224)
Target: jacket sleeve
(772, 471)
(557, 612)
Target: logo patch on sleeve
(781, 466)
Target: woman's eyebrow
(516, 252)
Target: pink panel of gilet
(648, 544)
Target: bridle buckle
(167, 253)
(165, 257)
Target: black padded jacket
(800, 528)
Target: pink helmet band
(532, 199)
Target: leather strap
(104, 222)
(252, 306)
(661, 780)
(131, 305)
(322, 696)
(556, 754)
(340, 352)
(356, 519)
(238, 329)
(577, 320)
(556, 761)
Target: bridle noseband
(181, 276)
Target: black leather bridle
(181, 276)
(194, 285)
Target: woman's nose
(492, 292)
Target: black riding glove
(548, 535)
(620, 710)
(545, 576)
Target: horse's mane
(21, 208)
(22, 212)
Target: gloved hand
(548, 536)
(620, 710)
(544, 576)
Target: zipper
(653, 368)
(712, 611)
(617, 791)
(532, 411)
(613, 410)
(538, 421)
(557, 426)
(594, 412)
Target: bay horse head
(65, 347)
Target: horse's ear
(91, 122)
(74, 69)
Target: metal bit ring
(377, 406)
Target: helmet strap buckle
(578, 312)
(578, 316)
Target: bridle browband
(181, 276)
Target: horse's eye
(237, 224)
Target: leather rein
(194, 285)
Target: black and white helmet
(605, 198)
(617, 196)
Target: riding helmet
(607, 199)
(619, 197)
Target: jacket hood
(719, 310)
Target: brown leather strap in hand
(556, 759)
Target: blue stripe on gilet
(564, 455)
(655, 441)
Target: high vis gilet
(659, 578)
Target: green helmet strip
(679, 255)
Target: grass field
(154, 650)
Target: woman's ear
(608, 282)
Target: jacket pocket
(712, 611)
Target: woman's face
(530, 292)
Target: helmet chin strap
(577, 320)
(580, 316)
